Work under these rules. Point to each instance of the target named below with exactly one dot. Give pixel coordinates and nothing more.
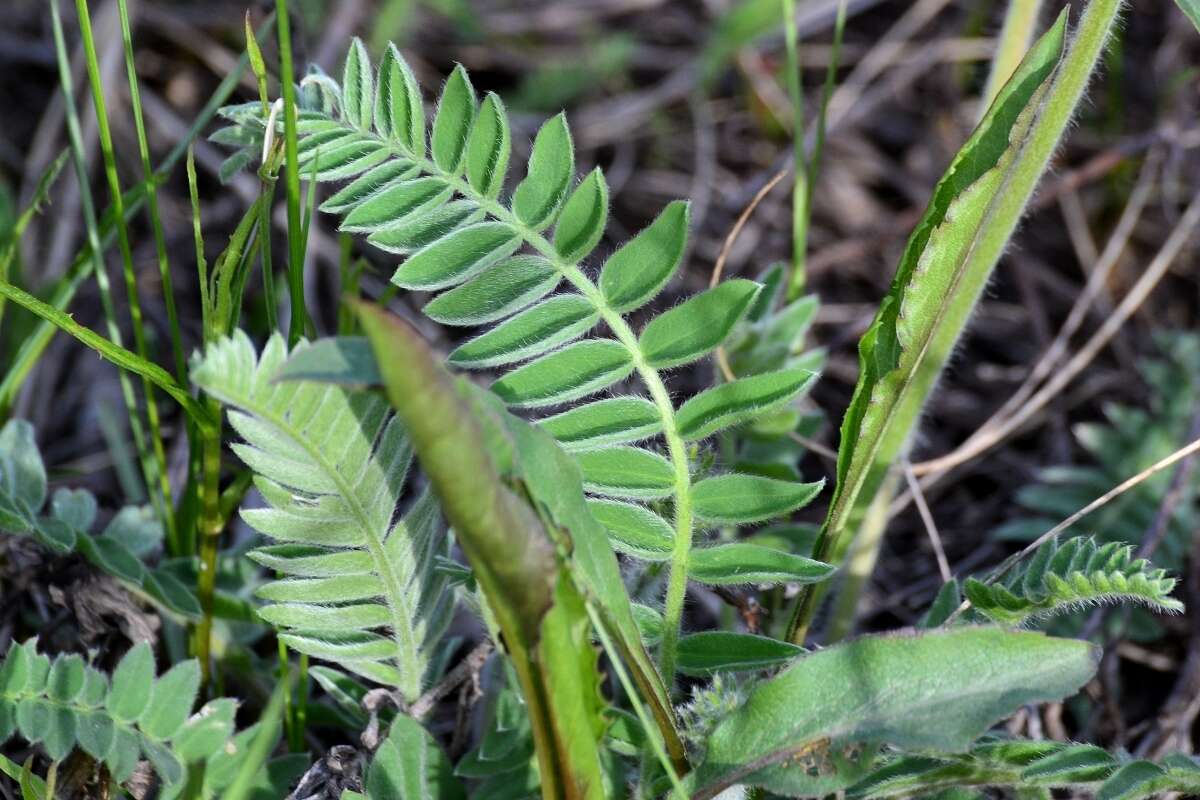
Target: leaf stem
(295, 235)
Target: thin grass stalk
(801, 195)
(299, 321)
(160, 244)
(82, 265)
(159, 478)
(91, 228)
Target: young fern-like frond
(64, 703)
(500, 263)
(331, 465)
(1064, 576)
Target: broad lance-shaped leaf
(330, 464)
(937, 690)
(615, 420)
(502, 541)
(942, 271)
(739, 499)
(534, 331)
(533, 598)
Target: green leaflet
(582, 221)
(638, 271)
(741, 563)
(702, 654)
(740, 401)
(568, 374)
(507, 289)
(698, 325)
(331, 465)
(532, 332)
(457, 256)
(626, 472)
(1061, 577)
(749, 498)
(358, 86)
(634, 530)
(934, 690)
(393, 205)
(551, 167)
(488, 148)
(452, 123)
(399, 114)
(615, 420)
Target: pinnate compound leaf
(488, 148)
(1060, 577)
(740, 563)
(638, 271)
(740, 401)
(331, 465)
(696, 326)
(551, 168)
(581, 224)
(410, 763)
(452, 123)
(740, 499)
(568, 374)
(937, 690)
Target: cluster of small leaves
(1132, 440)
(118, 551)
(436, 199)
(1064, 576)
(331, 464)
(1026, 765)
(64, 703)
